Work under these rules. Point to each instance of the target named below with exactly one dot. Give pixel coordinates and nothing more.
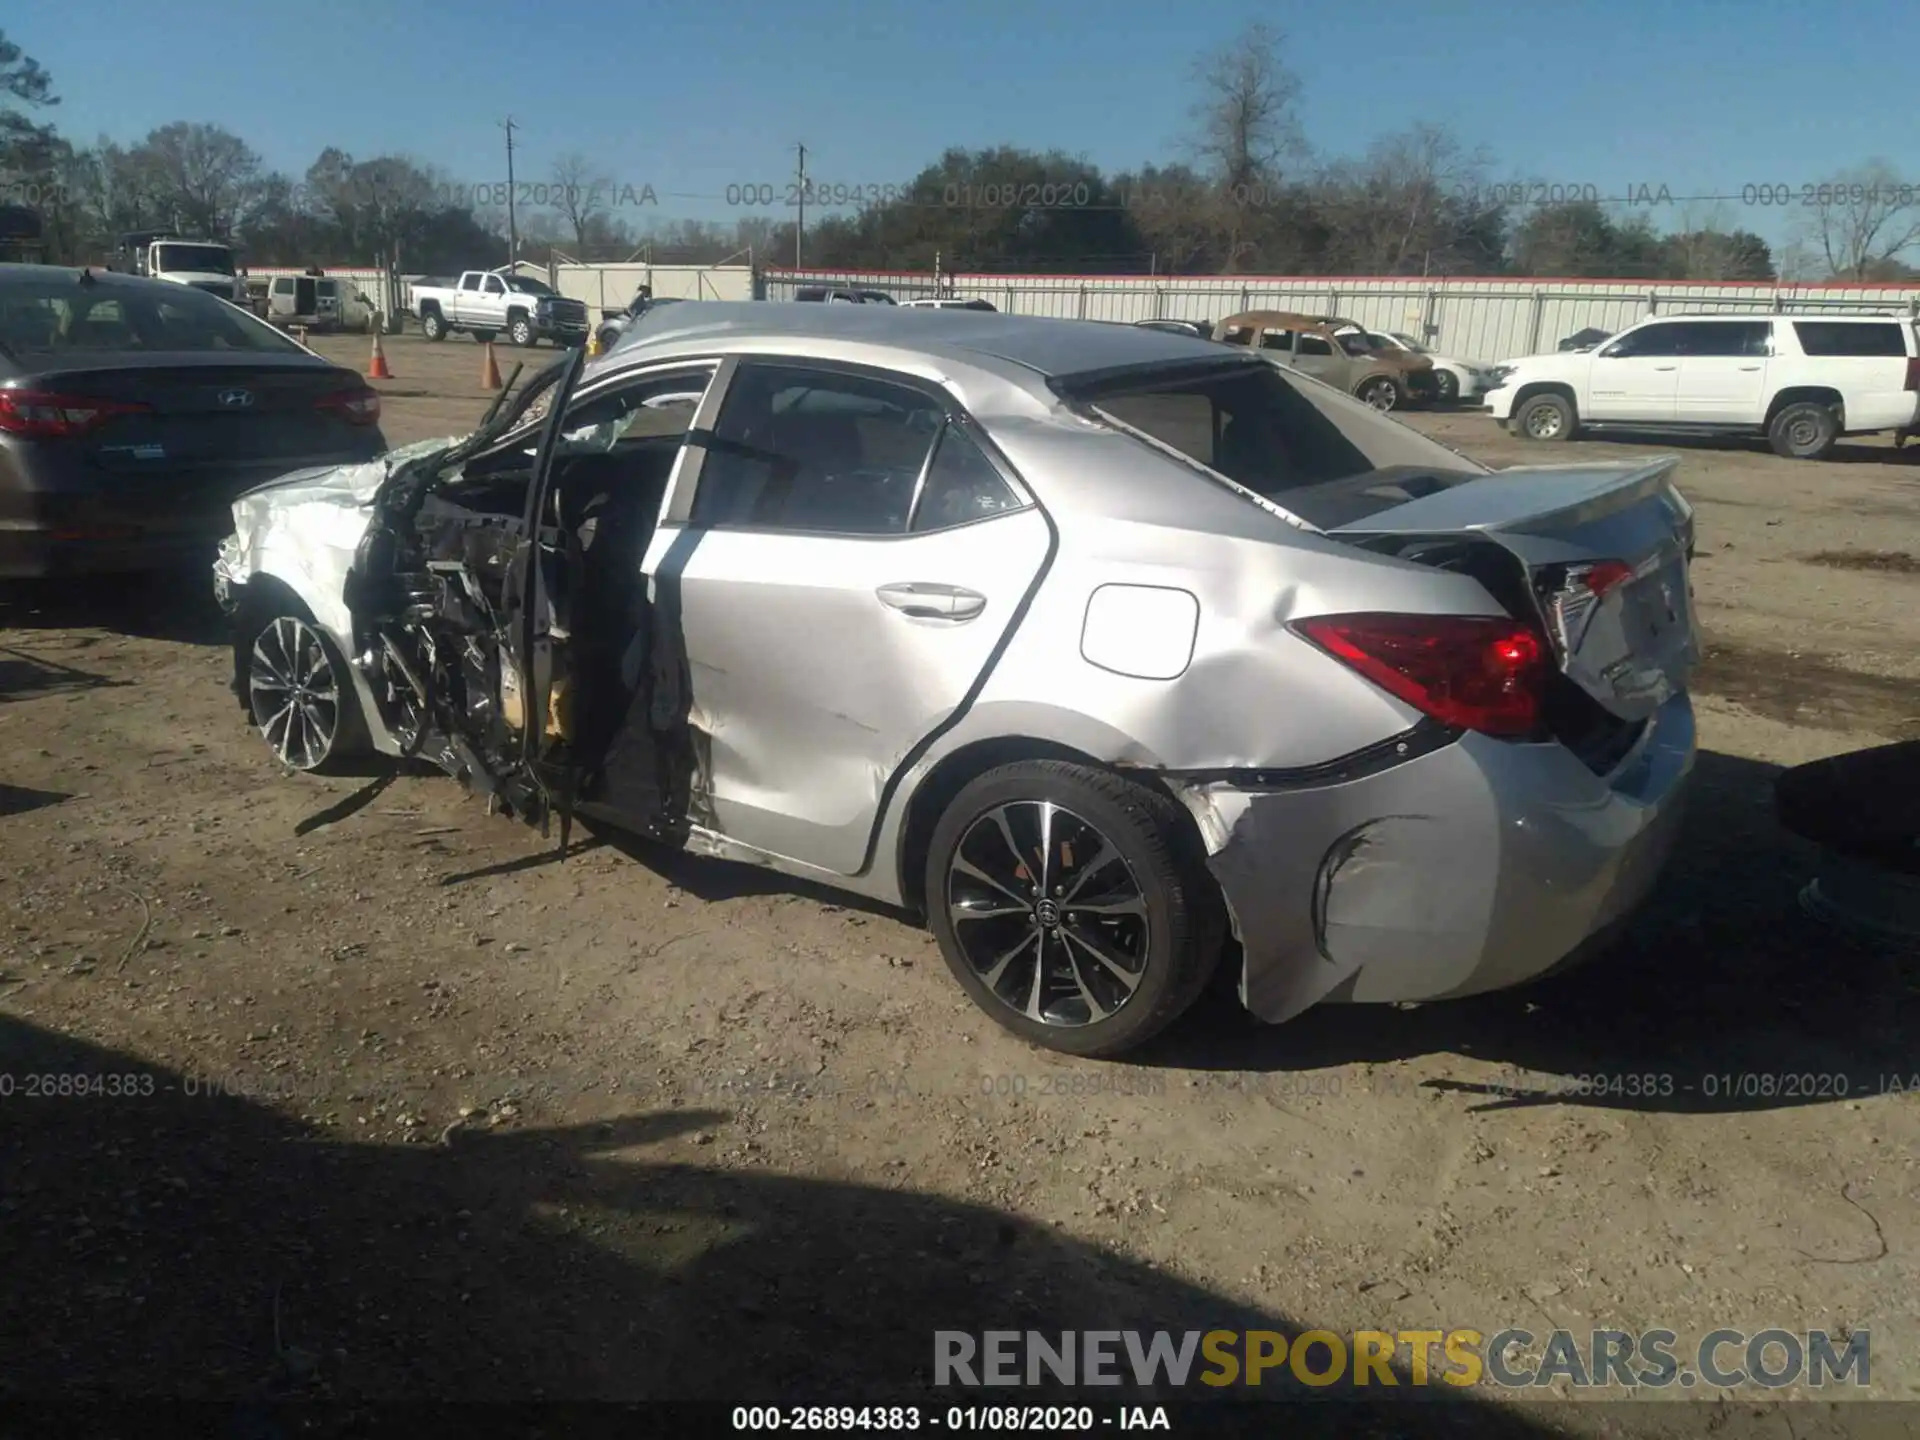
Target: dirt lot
(418, 1111)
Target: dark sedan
(133, 412)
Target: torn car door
(542, 580)
(611, 480)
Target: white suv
(1801, 380)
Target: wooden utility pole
(800, 216)
(513, 234)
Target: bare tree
(1245, 133)
(1245, 123)
(580, 193)
(1396, 210)
(201, 175)
(1863, 219)
(1705, 245)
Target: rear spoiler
(1525, 498)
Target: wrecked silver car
(1096, 646)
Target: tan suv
(1335, 352)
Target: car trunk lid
(1605, 551)
(198, 431)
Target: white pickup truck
(485, 303)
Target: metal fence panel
(1486, 319)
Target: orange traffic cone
(490, 373)
(377, 368)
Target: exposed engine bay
(502, 618)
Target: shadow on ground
(25, 675)
(1722, 984)
(175, 604)
(172, 1242)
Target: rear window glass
(1323, 460)
(1828, 337)
(38, 317)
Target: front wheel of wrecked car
(300, 695)
(1071, 905)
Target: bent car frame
(1100, 648)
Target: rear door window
(1723, 338)
(1840, 337)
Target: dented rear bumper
(1474, 866)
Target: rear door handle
(1666, 367)
(925, 601)
(1749, 367)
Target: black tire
(521, 332)
(1804, 430)
(1446, 387)
(1381, 392)
(1171, 940)
(346, 737)
(1548, 418)
(433, 326)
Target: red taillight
(1913, 372)
(1474, 671)
(43, 415)
(356, 407)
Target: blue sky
(1704, 97)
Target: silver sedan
(1099, 647)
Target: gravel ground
(412, 1109)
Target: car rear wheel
(433, 326)
(1805, 430)
(1546, 417)
(300, 695)
(1380, 392)
(520, 331)
(1446, 387)
(1071, 905)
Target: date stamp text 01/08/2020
(1752, 194)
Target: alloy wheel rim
(1048, 914)
(1544, 423)
(1380, 395)
(294, 693)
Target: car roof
(110, 279)
(1755, 315)
(1287, 319)
(1016, 347)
